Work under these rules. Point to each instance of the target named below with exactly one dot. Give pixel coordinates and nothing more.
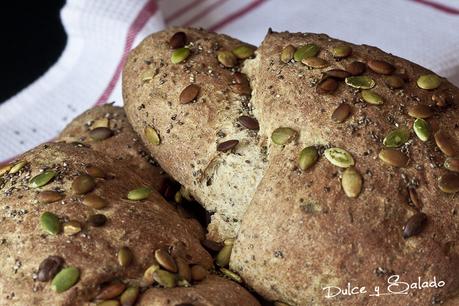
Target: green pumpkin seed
(396, 138)
(50, 223)
(308, 157)
(449, 182)
(371, 97)
(243, 52)
(125, 256)
(361, 82)
(139, 194)
(341, 51)
(339, 157)
(165, 260)
(165, 278)
(227, 59)
(178, 197)
(393, 157)
(283, 135)
(235, 277)
(352, 182)
(306, 51)
(429, 81)
(94, 201)
(111, 291)
(109, 303)
(129, 296)
(179, 55)
(452, 164)
(72, 227)
(42, 179)
(152, 136)
(148, 274)
(65, 279)
(422, 129)
(315, 62)
(83, 184)
(287, 54)
(223, 257)
(17, 167)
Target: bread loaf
(356, 156)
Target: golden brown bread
(302, 231)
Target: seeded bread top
(350, 214)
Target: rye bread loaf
(306, 229)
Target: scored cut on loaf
(356, 153)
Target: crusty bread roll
(356, 153)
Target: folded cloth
(101, 33)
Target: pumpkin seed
(445, 143)
(308, 157)
(165, 260)
(240, 78)
(139, 194)
(393, 157)
(223, 257)
(83, 184)
(420, 111)
(227, 145)
(422, 129)
(71, 227)
(337, 73)
(306, 51)
(189, 94)
(339, 157)
(94, 201)
(283, 135)
(152, 136)
(129, 296)
(315, 62)
(227, 58)
(396, 138)
(242, 89)
(414, 225)
(49, 267)
(212, 246)
(429, 81)
(178, 197)
(341, 113)
(17, 167)
(42, 179)
(371, 97)
(179, 55)
(125, 256)
(235, 277)
(97, 220)
(109, 303)
(380, 67)
(148, 274)
(449, 182)
(327, 86)
(4, 169)
(183, 269)
(452, 164)
(65, 279)
(361, 81)
(49, 196)
(50, 223)
(341, 51)
(100, 133)
(249, 122)
(229, 241)
(287, 53)
(183, 283)
(352, 182)
(101, 122)
(394, 81)
(198, 273)
(356, 68)
(111, 291)
(414, 198)
(178, 40)
(147, 75)
(243, 52)
(95, 172)
(165, 278)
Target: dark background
(32, 39)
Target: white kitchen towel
(101, 32)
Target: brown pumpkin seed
(129, 296)
(449, 182)
(341, 113)
(429, 81)
(5, 168)
(315, 62)
(352, 182)
(148, 278)
(152, 136)
(240, 78)
(452, 164)
(249, 122)
(94, 201)
(178, 40)
(165, 260)
(327, 86)
(414, 198)
(189, 94)
(212, 246)
(125, 256)
(341, 51)
(242, 89)
(49, 267)
(337, 73)
(380, 67)
(95, 172)
(420, 111)
(165, 278)
(394, 81)
(308, 157)
(227, 145)
(445, 143)
(100, 133)
(393, 157)
(111, 291)
(71, 227)
(227, 58)
(356, 68)
(97, 220)
(198, 273)
(183, 268)
(414, 225)
(49, 196)
(287, 54)
(243, 52)
(83, 184)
